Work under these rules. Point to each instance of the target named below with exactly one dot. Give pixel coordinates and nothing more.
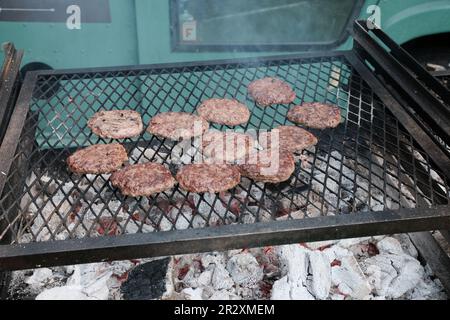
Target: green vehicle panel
(140, 33)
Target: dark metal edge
(9, 77)
(16, 123)
(101, 71)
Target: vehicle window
(264, 23)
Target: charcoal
(147, 281)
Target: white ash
(333, 270)
(334, 179)
(223, 295)
(284, 290)
(210, 206)
(245, 270)
(193, 294)
(92, 279)
(319, 278)
(348, 243)
(256, 190)
(221, 278)
(428, 288)
(64, 293)
(294, 263)
(144, 155)
(90, 184)
(349, 279)
(407, 245)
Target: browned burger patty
(269, 91)
(143, 180)
(177, 125)
(213, 178)
(316, 115)
(224, 111)
(269, 166)
(98, 159)
(221, 146)
(116, 124)
(290, 138)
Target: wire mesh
(368, 163)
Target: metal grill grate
(369, 163)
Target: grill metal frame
(9, 84)
(9, 90)
(234, 236)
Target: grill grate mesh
(368, 163)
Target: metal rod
(109, 248)
(412, 64)
(187, 66)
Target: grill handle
(428, 97)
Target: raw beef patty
(224, 111)
(143, 179)
(177, 125)
(290, 138)
(316, 115)
(202, 178)
(116, 124)
(226, 146)
(270, 91)
(269, 166)
(98, 159)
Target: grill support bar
(224, 238)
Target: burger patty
(269, 166)
(116, 124)
(221, 146)
(269, 91)
(213, 178)
(143, 179)
(177, 125)
(98, 159)
(316, 115)
(224, 111)
(290, 138)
